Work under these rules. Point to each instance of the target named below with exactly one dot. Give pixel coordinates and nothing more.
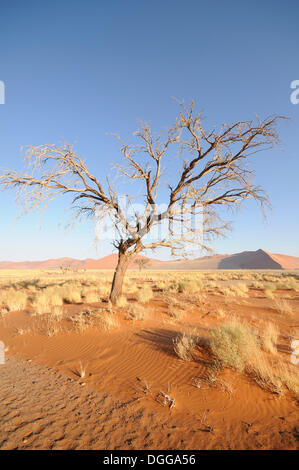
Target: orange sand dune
(107, 262)
(285, 261)
(259, 259)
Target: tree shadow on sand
(162, 340)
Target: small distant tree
(142, 263)
(65, 269)
(207, 171)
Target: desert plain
(185, 360)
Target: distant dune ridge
(259, 259)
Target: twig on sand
(165, 400)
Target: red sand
(118, 406)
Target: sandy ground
(45, 404)
(41, 409)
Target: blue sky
(82, 70)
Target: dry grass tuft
(184, 345)
(241, 290)
(264, 374)
(50, 326)
(257, 285)
(234, 343)
(108, 322)
(71, 295)
(220, 313)
(237, 346)
(290, 377)
(269, 294)
(91, 297)
(41, 304)
(282, 306)
(81, 372)
(176, 313)
(269, 338)
(227, 292)
(189, 287)
(137, 312)
(145, 294)
(82, 320)
(13, 300)
(57, 312)
(122, 302)
(131, 288)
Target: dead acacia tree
(142, 263)
(210, 172)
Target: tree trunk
(118, 278)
